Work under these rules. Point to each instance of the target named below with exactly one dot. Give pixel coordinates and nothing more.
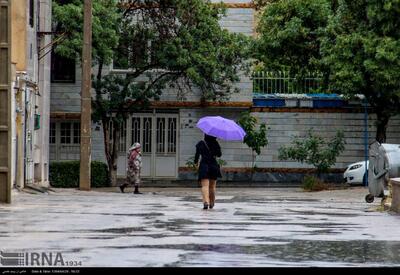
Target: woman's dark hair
(213, 145)
(209, 138)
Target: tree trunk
(106, 139)
(113, 175)
(114, 154)
(252, 165)
(111, 148)
(318, 175)
(381, 126)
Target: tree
(68, 23)
(261, 4)
(362, 48)
(290, 35)
(314, 150)
(161, 43)
(255, 139)
(106, 18)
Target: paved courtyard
(249, 227)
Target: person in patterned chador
(133, 168)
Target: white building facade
(168, 133)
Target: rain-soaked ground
(249, 227)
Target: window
(77, 133)
(137, 50)
(62, 69)
(52, 133)
(70, 133)
(121, 145)
(136, 130)
(122, 138)
(146, 146)
(172, 135)
(130, 52)
(65, 133)
(160, 135)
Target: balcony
(279, 89)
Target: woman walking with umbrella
(209, 149)
(209, 169)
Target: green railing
(280, 82)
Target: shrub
(311, 183)
(192, 166)
(254, 139)
(314, 150)
(65, 174)
(221, 162)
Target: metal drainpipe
(366, 140)
(17, 111)
(25, 135)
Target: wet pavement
(249, 227)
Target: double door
(158, 135)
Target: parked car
(355, 173)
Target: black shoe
(211, 205)
(122, 187)
(136, 191)
(205, 207)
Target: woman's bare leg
(205, 190)
(212, 191)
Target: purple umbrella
(220, 127)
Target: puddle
(373, 252)
(122, 230)
(322, 213)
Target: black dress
(209, 168)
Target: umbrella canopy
(220, 127)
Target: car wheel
(369, 198)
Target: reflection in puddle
(364, 251)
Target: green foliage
(68, 22)
(255, 139)
(314, 150)
(261, 4)
(354, 44)
(290, 35)
(221, 162)
(65, 174)
(185, 40)
(191, 165)
(361, 46)
(116, 94)
(180, 44)
(311, 183)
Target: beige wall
(18, 34)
